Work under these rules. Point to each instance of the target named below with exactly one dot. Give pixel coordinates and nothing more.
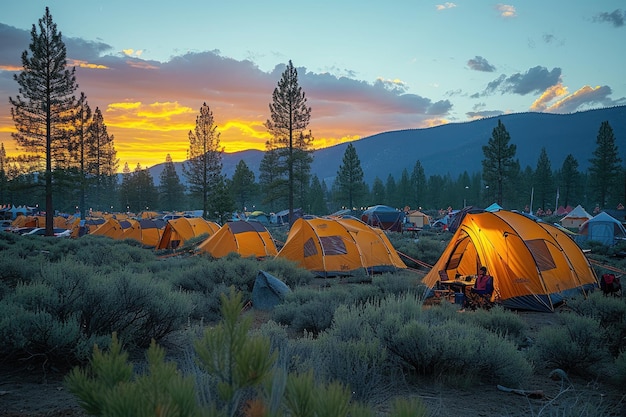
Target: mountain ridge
(453, 148)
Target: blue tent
(494, 207)
(384, 217)
(602, 228)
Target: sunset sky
(366, 67)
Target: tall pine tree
(102, 160)
(203, 168)
(350, 185)
(568, 180)
(289, 118)
(543, 181)
(605, 168)
(44, 106)
(498, 164)
(171, 191)
(242, 185)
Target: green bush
(459, 352)
(576, 345)
(499, 321)
(610, 312)
(360, 364)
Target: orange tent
(146, 231)
(245, 238)
(178, 231)
(534, 265)
(339, 246)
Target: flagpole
(532, 194)
(556, 205)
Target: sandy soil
(29, 393)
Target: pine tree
(317, 202)
(142, 194)
(543, 180)
(605, 168)
(78, 147)
(242, 185)
(274, 186)
(289, 118)
(203, 168)
(378, 191)
(391, 192)
(350, 185)
(102, 158)
(569, 180)
(498, 162)
(42, 114)
(171, 191)
(404, 189)
(418, 185)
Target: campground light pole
(465, 196)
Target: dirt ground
(27, 393)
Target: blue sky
(366, 67)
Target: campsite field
(26, 393)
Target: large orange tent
(339, 246)
(146, 231)
(534, 264)
(242, 237)
(178, 231)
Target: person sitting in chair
(480, 294)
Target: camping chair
(610, 284)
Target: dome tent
(602, 228)
(534, 264)
(341, 246)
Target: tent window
(541, 253)
(333, 245)
(455, 260)
(309, 248)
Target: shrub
(576, 345)
(288, 272)
(610, 312)
(360, 364)
(499, 321)
(459, 352)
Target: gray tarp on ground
(268, 291)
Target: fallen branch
(526, 393)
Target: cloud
(550, 94)
(482, 114)
(445, 6)
(585, 97)
(616, 17)
(480, 64)
(536, 79)
(506, 10)
(150, 106)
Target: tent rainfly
(384, 217)
(178, 231)
(146, 231)
(534, 264)
(341, 246)
(242, 237)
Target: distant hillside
(457, 147)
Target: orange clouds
(547, 96)
(85, 64)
